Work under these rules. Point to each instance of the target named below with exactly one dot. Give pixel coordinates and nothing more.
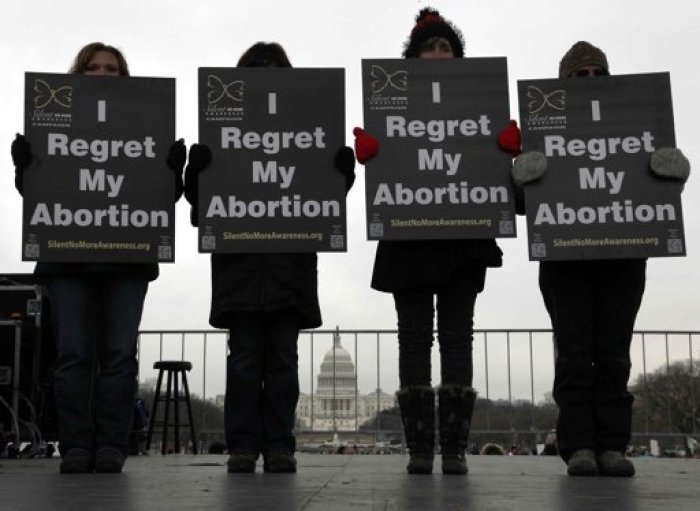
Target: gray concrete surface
(337, 482)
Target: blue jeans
(96, 323)
(262, 382)
(454, 303)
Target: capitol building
(336, 404)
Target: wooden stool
(173, 368)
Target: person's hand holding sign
(177, 154)
(669, 163)
(509, 139)
(345, 164)
(366, 146)
(199, 159)
(528, 168)
(21, 158)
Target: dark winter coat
(403, 265)
(262, 282)
(147, 271)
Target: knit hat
(430, 24)
(580, 55)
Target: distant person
(428, 276)
(264, 300)
(96, 309)
(593, 305)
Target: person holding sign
(96, 309)
(593, 305)
(264, 300)
(420, 273)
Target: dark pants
(593, 306)
(455, 311)
(262, 383)
(96, 323)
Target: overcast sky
(173, 38)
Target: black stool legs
(175, 370)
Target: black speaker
(21, 299)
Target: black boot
(417, 405)
(456, 405)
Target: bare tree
(668, 400)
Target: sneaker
(420, 463)
(454, 464)
(582, 463)
(280, 461)
(76, 461)
(614, 464)
(241, 461)
(109, 460)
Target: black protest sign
(98, 188)
(598, 198)
(272, 185)
(439, 173)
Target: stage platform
(348, 482)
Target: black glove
(21, 152)
(199, 159)
(177, 154)
(21, 158)
(345, 164)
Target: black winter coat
(146, 271)
(264, 282)
(403, 265)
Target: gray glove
(529, 167)
(670, 163)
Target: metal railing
(513, 366)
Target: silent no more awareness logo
(388, 88)
(546, 109)
(44, 95)
(218, 90)
(224, 99)
(52, 104)
(381, 79)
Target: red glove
(366, 146)
(509, 139)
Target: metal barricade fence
(348, 376)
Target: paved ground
(337, 482)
